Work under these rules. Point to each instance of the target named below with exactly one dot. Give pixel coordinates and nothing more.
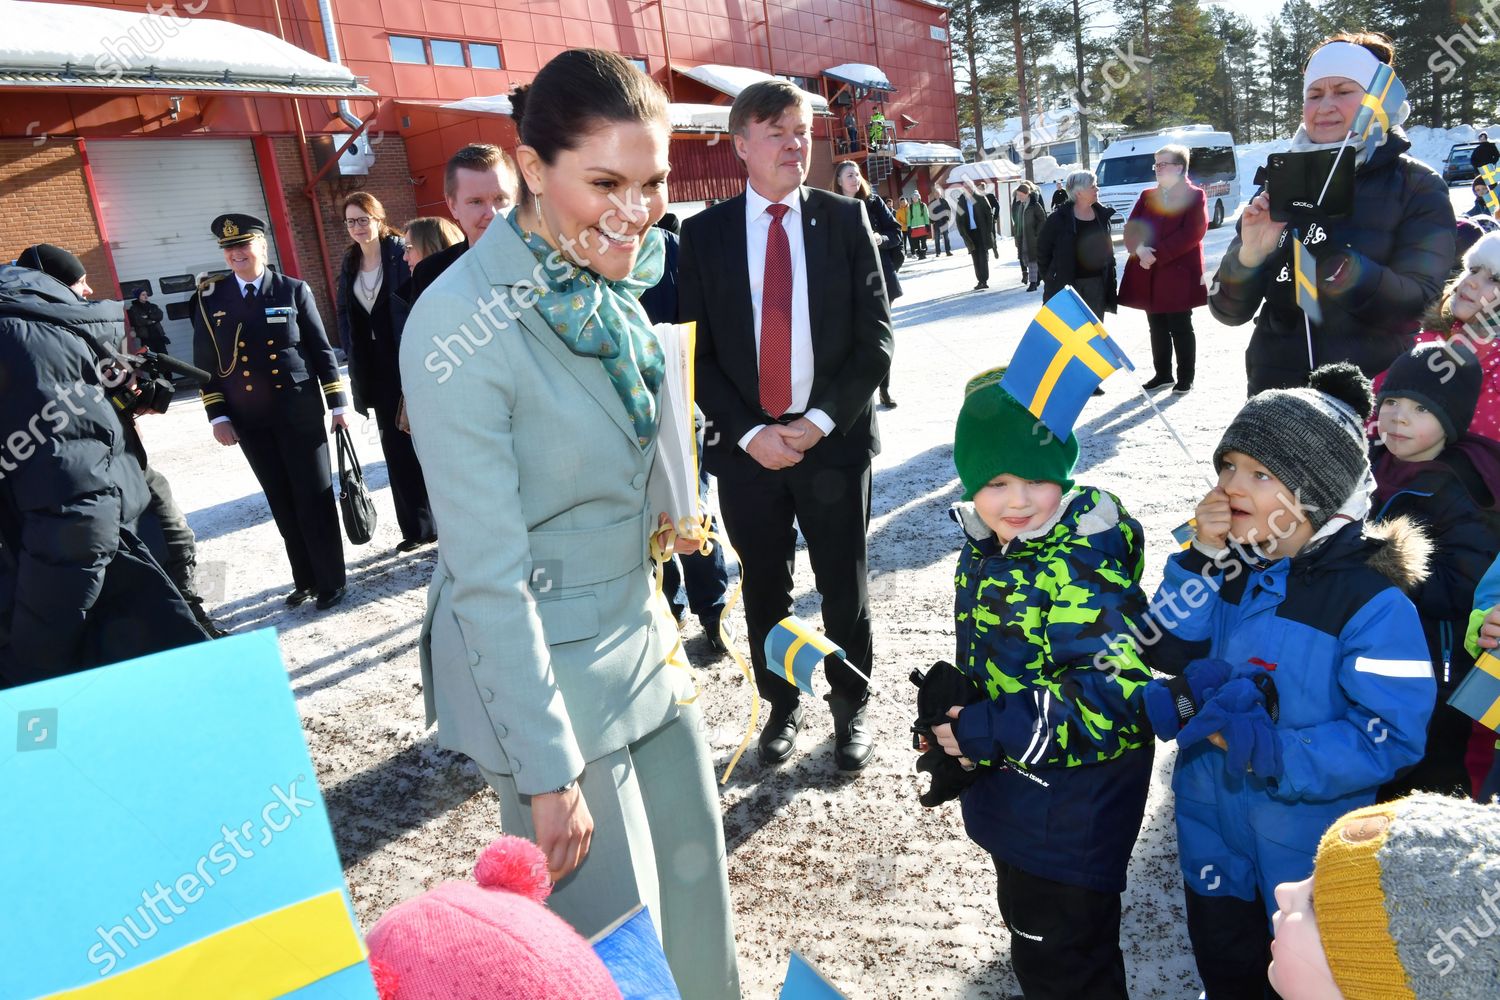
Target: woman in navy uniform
(258, 335)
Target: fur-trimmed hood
(1399, 549)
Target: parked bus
(1125, 169)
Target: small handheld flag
(794, 649)
(1304, 275)
(1478, 696)
(1383, 98)
(1490, 174)
(803, 982)
(632, 952)
(1491, 177)
(1185, 532)
(1063, 357)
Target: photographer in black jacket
(78, 589)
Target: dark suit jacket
(270, 364)
(851, 329)
(428, 269)
(984, 233)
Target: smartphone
(1295, 181)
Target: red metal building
(123, 133)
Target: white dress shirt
(757, 229)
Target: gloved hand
(942, 687)
(1172, 702)
(1239, 714)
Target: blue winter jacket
(1354, 682)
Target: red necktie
(776, 319)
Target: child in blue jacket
(1048, 596)
(1300, 656)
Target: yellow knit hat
(1350, 906)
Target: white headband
(1345, 59)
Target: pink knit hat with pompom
(493, 939)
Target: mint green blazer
(540, 650)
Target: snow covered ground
(888, 899)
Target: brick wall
(389, 180)
(44, 199)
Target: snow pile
(859, 74)
(117, 43)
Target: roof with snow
(493, 104)
(859, 75)
(66, 45)
(927, 153)
(733, 79)
(683, 117)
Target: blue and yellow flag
(1185, 532)
(1491, 178)
(1478, 696)
(1305, 279)
(1383, 98)
(1061, 360)
(1490, 173)
(794, 649)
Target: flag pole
(1334, 169)
(1171, 430)
(1307, 322)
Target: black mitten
(949, 779)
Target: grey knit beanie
(1311, 439)
(1407, 899)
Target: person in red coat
(1164, 267)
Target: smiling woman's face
(1329, 106)
(598, 199)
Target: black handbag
(354, 500)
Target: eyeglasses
(1164, 163)
(357, 222)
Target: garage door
(158, 197)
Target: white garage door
(158, 197)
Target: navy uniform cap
(232, 229)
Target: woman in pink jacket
(1164, 269)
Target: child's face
(1477, 290)
(1263, 512)
(1409, 430)
(1010, 505)
(1299, 969)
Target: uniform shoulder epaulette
(206, 282)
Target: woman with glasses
(370, 318)
(1378, 268)
(1164, 269)
(1077, 246)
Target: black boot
(854, 742)
(779, 736)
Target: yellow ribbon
(663, 545)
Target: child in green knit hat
(1048, 594)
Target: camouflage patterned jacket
(1035, 625)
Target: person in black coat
(942, 218)
(371, 317)
(78, 588)
(271, 369)
(145, 322)
(849, 182)
(1485, 152)
(976, 225)
(1077, 246)
(1430, 469)
(1377, 269)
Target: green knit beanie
(996, 435)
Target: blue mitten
(1172, 703)
(1238, 713)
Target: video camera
(142, 383)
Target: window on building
(407, 50)
(807, 83)
(483, 56)
(639, 64)
(446, 53)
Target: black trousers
(166, 533)
(1231, 946)
(941, 242)
(408, 487)
(1064, 939)
(1173, 331)
(977, 256)
(832, 507)
(291, 463)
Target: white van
(1124, 169)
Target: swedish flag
(1490, 173)
(1305, 279)
(1491, 177)
(1478, 696)
(1185, 532)
(794, 649)
(1383, 98)
(1061, 360)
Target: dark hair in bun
(575, 93)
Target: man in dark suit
(479, 183)
(794, 336)
(258, 335)
(993, 198)
(977, 226)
